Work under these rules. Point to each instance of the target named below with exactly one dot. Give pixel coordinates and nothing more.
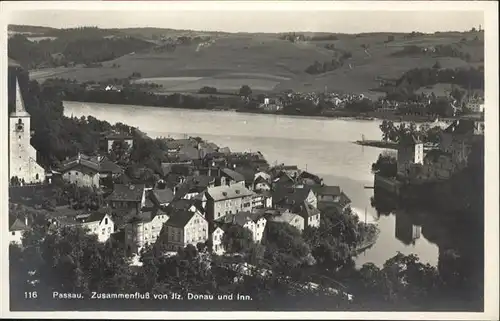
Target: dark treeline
(78, 46)
(412, 80)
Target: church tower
(22, 156)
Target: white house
(98, 223)
(217, 246)
(144, 229)
(17, 227)
(254, 223)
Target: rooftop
(219, 193)
(179, 218)
(131, 192)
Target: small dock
(377, 143)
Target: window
(106, 221)
(109, 229)
(13, 233)
(103, 230)
(36, 177)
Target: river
(322, 145)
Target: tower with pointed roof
(22, 156)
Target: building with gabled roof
(144, 229)
(288, 197)
(127, 196)
(99, 223)
(185, 227)
(88, 171)
(17, 226)
(222, 200)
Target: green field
(267, 63)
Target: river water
(323, 146)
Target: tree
(77, 262)
(120, 152)
(237, 239)
(285, 248)
(245, 91)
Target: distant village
(195, 200)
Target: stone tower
(22, 156)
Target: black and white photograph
(250, 157)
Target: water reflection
(406, 231)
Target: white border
(490, 9)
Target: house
(254, 223)
(459, 138)
(266, 176)
(110, 139)
(156, 197)
(410, 151)
(17, 226)
(181, 168)
(130, 196)
(330, 196)
(189, 153)
(232, 177)
(307, 179)
(262, 199)
(89, 171)
(98, 223)
(283, 180)
(175, 145)
(475, 105)
(183, 228)
(223, 200)
(292, 219)
(216, 237)
(311, 215)
(193, 185)
(191, 205)
(144, 229)
(289, 197)
(261, 184)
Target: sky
(258, 21)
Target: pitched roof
(131, 192)
(95, 217)
(178, 143)
(307, 175)
(165, 195)
(20, 110)
(179, 218)
(240, 218)
(307, 210)
(16, 224)
(94, 164)
(260, 179)
(285, 217)
(291, 195)
(225, 192)
(327, 190)
(235, 176)
(189, 153)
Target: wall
(22, 156)
(196, 230)
(84, 180)
(217, 246)
(16, 237)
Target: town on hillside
(200, 195)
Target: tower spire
(20, 110)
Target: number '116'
(30, 295)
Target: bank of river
(322, 146)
